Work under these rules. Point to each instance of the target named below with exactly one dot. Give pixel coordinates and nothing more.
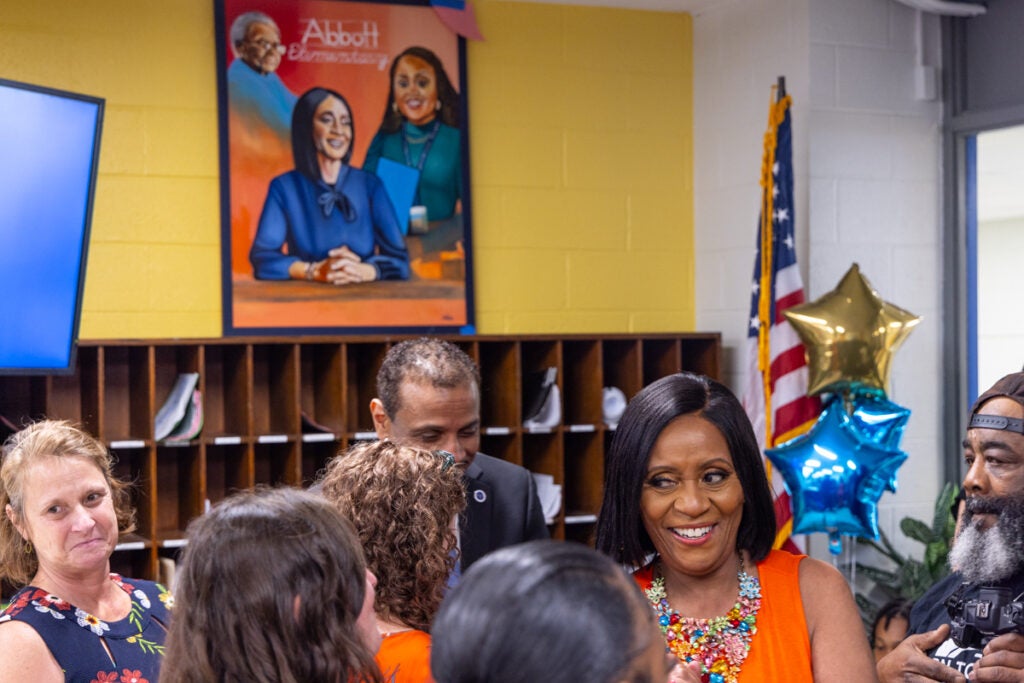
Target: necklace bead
(720, 644)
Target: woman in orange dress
(687, 502)
(404, 503)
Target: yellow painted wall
(581, 153)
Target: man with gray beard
(988, 552)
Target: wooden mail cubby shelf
(256, 391)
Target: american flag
(776, 395)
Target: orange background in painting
(258, 155)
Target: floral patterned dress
(92, 651)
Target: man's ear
(381, 421)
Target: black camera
(977, 621)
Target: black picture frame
(349, 48)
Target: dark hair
(432, 361)
(303, 150)
(620, 529)
(270, 588)
(401, 501)
(447, 95)
(897, 607)
(548, 611)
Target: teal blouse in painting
(440, 183)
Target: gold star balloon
(850, 335)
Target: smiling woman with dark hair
(420, 129)
(337, 222)
(687, 502)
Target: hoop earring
(28, 547)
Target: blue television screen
(49, 148)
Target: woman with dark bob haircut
(273, 587)
(550, 611)
(687, 503)
(337, 222)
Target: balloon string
(851, 562)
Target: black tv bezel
(100, 103)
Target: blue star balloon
(880, 421)
(835, 476)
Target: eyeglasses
(267, 46)
(447, 459)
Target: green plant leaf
(880, 576)
(917, 530)
(936, 558)
(943, 522)
(885, 547)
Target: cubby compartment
(180, 491)
(226, 391)
(125, 396)
(136, 466)
(502, 442)
(500, 389)
(322, 399)
(277, 463)
(584, 469)
(77, 397)
(661, 358)
(275, 390)
(22, 399)
(315, 456)
(362, 360)
(582, 382)
(132, 559)
(228, 469)
(622, 365)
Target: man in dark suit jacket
(428, 395)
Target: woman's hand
(344, 267)
(341, 267)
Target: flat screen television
(49, 150)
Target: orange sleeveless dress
(781, 648)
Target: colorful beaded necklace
(720, 644)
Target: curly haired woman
(403, 503)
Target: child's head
(890, 626)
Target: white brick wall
(867, 174)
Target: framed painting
(344, 168)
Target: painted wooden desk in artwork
(297, 303)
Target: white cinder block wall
(867, 173)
